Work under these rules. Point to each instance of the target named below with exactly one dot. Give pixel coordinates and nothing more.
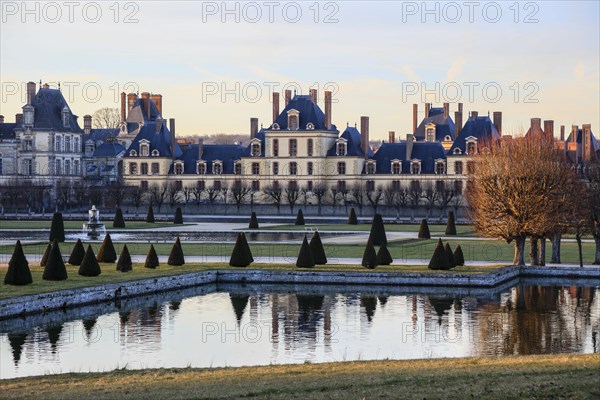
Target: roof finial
(355, 124)
(347, 124)
(488, 113)
(40, 83)
(58, 85)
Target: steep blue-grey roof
(109, 149)
(153, 109)
(595, 144)
(48, 105)
(444, 126)
(227, 153)
(352, 136)
(427, 152)
(309, 112)
(482, 128)
(160, 141)
(260, 135)
(7, 130)
(101, 134)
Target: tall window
(76, 147)
(68, 144)
(293, 123)
(217, 169)
(341, 186)
(275, 168)
(58, 170)
(293, 185)
(293, 147)
(0, 164)
(440, 186)
(370, 168)
(430, 135)
(396, 185)
(255, 149)
(67, 167)
(144, 149)
(309, 146)
(370, 186)
(144, 168)
(309, 186)
(178, 168)
(309, 168)
(201, 185)
(58, 141)
(237, 168)
(217, 185)
(275, 147)
(293, 168)
(132, 168)
(341, 167)
(458, 187)
(440, 168)
(471, 148)
(28, 167)
(75, 167)
(155, 168)
(458, 167)
(178, 185)
(415, 168)
(201, 168)
(256, 186)
(415, 186)
(396, 167)
(341, 149)
(144, 185)
(255, 168)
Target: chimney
(458, 121)
(173, 141)
(30, 92)
(146, 104)
(87, 124)
(288, 96)
(415, 116)
(275, 105)
(549, 129)
(409, 145)
(313, 95)
(427, 107)
(498, 121)
(460, 107)
(46, 86)
(1, 119)
(562, 133)
(159, 123)
(131, 98)
(586, 142)
(123, 106)
(474, 114)
(574, 129)
(18, 118)
(157, 99)
(327, 109)
(446, 110)
(392, 137)
(253, 127)
(364, 135)
(200, 143)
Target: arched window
(155, 153)
(133, 153)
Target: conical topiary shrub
(450, 255)
(151, 258)
(241, 256)
(305, 257)
(377, 235)
(424, 230)
(124, 264)
(55, 267)
(459, 258)
(44, 259)
(107, 252)
(352, 220)
(77, 254)
(439, 260)
(451, 225)
(57, 229)
(150, 215)
(119, 221)
(89, 265)
(299, 218)
(383, 256)
(369, 259)
(317, 249)
(178, 216)
(18, 272)
(176, 256)
(253, 221)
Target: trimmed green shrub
(176, 257)
(450, 255)
(317, 249)
(57, 229)
(151, 258)
(305, 257)
(55, 267)
(150, 215)
(451, 225)
(44, 259)
(124, 264)
(18, 272)
(458, 256)
(439, 260)
(424, 230)
(253, 221)
(89, 265)
(352, 220)
(178, 216)
(377, 235)
(369, 259)
(241, 256)
(77, 254)
(299, 218)
(383, 256)
(119, 221)
(107, 252)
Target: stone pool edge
(39, 303)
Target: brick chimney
(410, 138)
(392, 136)
(288, 96)
(275, 105)
(87, 124)
(458, 121)
(549, 129)
(1, 119)
(253, 127)
(46, 86)
(200, 143)
(159, 123)
(131, 98)
(157, 99)
(146, 103)
(173, 140)
(30, 92)
(498, 121)
(415, 116)
(586, 142)
(460, 107)
(427, 107)
(123, 106)
(562, 133)
(446, 110)
(574, 129)
(327, 109)
(313, 95)
(364, 135)
(18, 118)
(474, 114)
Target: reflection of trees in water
(17, 341)
(369, 303)
(310, 311)
(239, 304)
(54, 336)
(383, 300)
(441, 305)
(538, 320)
(88, 326)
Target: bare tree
(358, 195)
(197, 191)
(212, 193)
(291, 195)
(445, 195)
(430, 194)
(374, 197)
(158, 194)
(592, 175)
(414, 196)
(187, 192)
(106, 118)
(117, 193)
(239, 192)
(319, 191)
(137, 194)
(173, 192)
(275, 193)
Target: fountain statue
(93, 227)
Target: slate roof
(109, 149)
(7, 130)
(444, 126)
(138, 111)
(160, 141)
(352, 135)
(482, 128)
(101, 134)
(309, 112)
(227, 153)
(595, 144)
(48, 104)
(427, 152)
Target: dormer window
(310, 126)
(237, 168)
(341, 149)
(275, 126)
(430, 133)
(371, 167)
(201, 167)
(293, 120)
(217, 168)
(457, 151)
(28, 113)
(440, 167)
(178, 168)
(396, 167)
(65, 116)
(155, 153)
(133, 153)
(415, 167)
(255, 149)
(471, 146)
(447, 138)
(144, 148)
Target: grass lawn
(111, 275)
(512, 377)
(437, 230)
(26, 224)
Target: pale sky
(378, 57)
